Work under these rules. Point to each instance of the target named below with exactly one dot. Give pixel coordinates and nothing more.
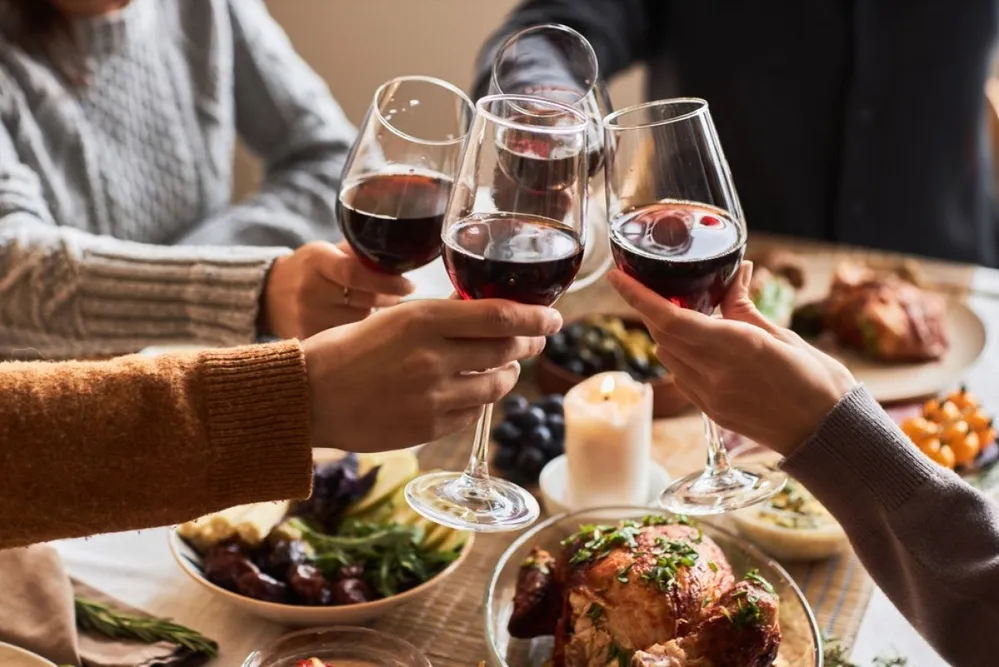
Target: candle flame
(607, 387)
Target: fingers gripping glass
(514, 229)
(400, 172)
(677, 227)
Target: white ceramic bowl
(787, 544)
(300, 616)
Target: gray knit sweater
(116, 229)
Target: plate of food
(348, 555)
(620, 586)
(956, 432)
(901, 340)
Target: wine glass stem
(478, 462)
(717, 456)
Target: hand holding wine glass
(677, 228)
(514, 229)
(742, 369)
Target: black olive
(592, 338)
(514, 403)
(527, 419)
(507, 434)
(556, 347)
(553, 449)
(574, 332)
(556, 424)
(591, 365)
(309, 585)
(574, 366)
(350, 591)
(505, 458)
(531, 461)
(260, 586)
(539, 437)
(551, 404)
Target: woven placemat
(449, 625)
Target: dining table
(448, 625)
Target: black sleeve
(617, 29)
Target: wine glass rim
(549, 26)
(611, 121)
(582, 124)
(458, 92)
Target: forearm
(67, 293)
(137, 442)
(617, 29)
(929, 540)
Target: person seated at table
(137, 442)
(928, 539)
(824, 120)
(118, 120)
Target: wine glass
(677, 227)
(400, 171)
(555, 62)
(514, 229)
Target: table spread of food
(600, 519)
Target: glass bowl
(801, 645)
(343, 646)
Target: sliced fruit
(397, 469)
(435, 535)
(254, 526)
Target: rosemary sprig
(102, 619)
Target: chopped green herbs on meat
(595, 612)
(755, 577)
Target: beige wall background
(355, 45)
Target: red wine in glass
(537, 163)
(683, 251)
(595, 144)
(520, 257)
(393, 221)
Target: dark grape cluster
(605, 343)
(530, 435)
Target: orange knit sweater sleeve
(93, 447)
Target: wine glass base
(701, 493)
(457, 500)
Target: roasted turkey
(649, 593)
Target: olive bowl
(667, 401)
(302, 616)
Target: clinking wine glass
(514, 229)
(677, 227)
(400, 171)
(555, 62)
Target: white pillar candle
(608, 441)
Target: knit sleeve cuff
(258, 422)
(858, 463)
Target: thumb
(737, 304)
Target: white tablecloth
(137, 568)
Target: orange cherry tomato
(954, 431)
(945, 457)
(930, 447)
(978, 420)
(966, 450)
(949, 412)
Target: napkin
(37, 614)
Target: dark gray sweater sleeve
(929, 540)
(617, 29)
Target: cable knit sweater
(116, 229)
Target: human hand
(749, 375)
(321, 286)
(408, 375)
